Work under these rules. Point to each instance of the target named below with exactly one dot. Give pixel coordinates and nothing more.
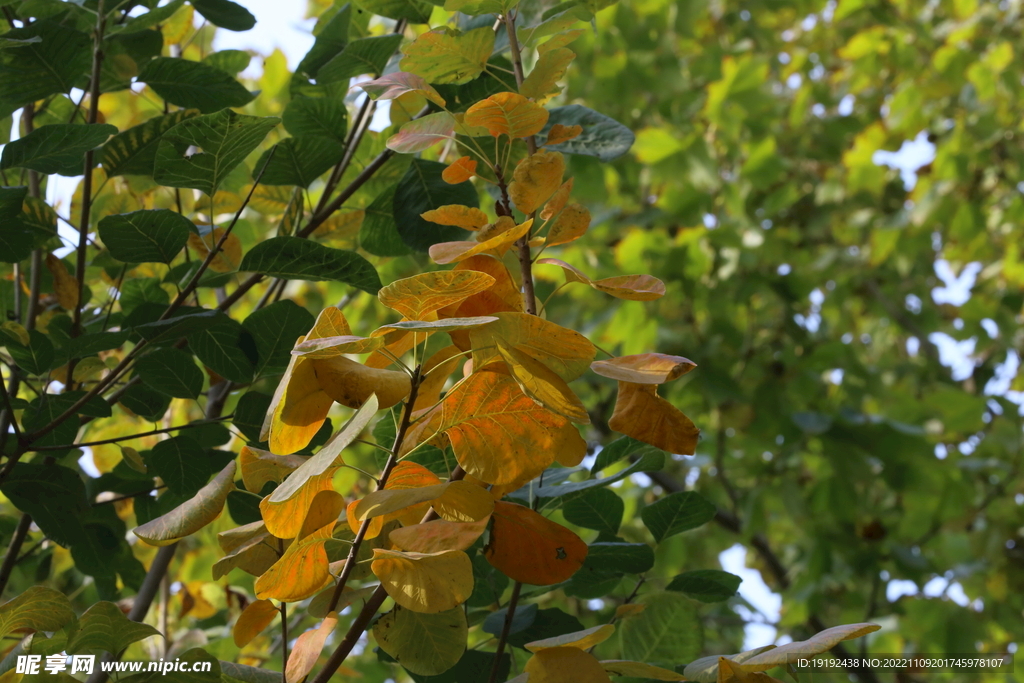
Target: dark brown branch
(359, 625)
(506, 626)
(13, 548)
(116, 439)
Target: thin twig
(510, 612)
(13, 548)
(140, 435)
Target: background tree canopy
(206, 379)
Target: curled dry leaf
(193, 514)
(466, 217)
(644, 368)
(459, 171)
(423, 582)
(558, 199)
(254, 618)
(450, 252)
(351, 383)
(570, 225)
(419, 296)
(536, 179)
(559, 133)
(565, 665)
(508, 113)
(642, 414)
(630, 287)
(528, 547)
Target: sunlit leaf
(386, 501)
(254, 618)
(438, 535)
(427, 583)
(300, 572)
(816, 644)
(448, 56)
(583, 640)
(528, 547)
(644, 368)
(566, 352)
(465, 217)
(562, 664)
(642, 414)
(542, 82)
(229, 255)
(329, 347)
(351, 384)
(460, 170)
(535, 179)
(571, 224)
(420, 295)
(542, 385)
(453, 252)
(284, 519)
(508, 113)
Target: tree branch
(13, 548)
(506, 626)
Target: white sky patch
(912, 155)
(755, 591)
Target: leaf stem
(506, 626)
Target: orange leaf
(64, 285)
(329, 347)
(570, 225)
(466, 217)
(325, 509)
(557, 201)
(285, 519)
(259, 467)
(508, 113)
(410, 475)
(528, 547)
(566, 352)
(330, 323)
(644, 368)
(421, 582)
(300, 572)
(503, 295)
(448, 252)
(307, 649)
(438, 535)
(535, 179)
(559, 133)
(565, 664)
(630, 287)
(459, 171)
(298, 409)
(418, 296)
(500, 434)
(437, 369)
(229, 256)
(542, 385)
(642, 414)
(372, 531)
(251, 622)
(351, 383)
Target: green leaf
(16, 238)
(706, 585)
(36, 358)
(275, 329)
(123, 54)
(151, 18)
(230, 62)
(57, 148)
(193, 515)
(602, 137)
(220, 348)
(105, 627)
(141, 292)
(145, 402)
(249, 413)
(476, 7)
(300, 160)
(194, 85)
(422, 189)
(495, 79)
(363, 56)
(48, 407)
(676, 513)
(379, 233)
(449, 56)
(53, 495)
(133, 152)
(570, 490)
(226, 139)
(597, 509)
(248, 674)
(667, 632)
(91, 344)
(414, 11)
(330, 41)
(181, 463)
(522, 619)
(37, 70)
(156, 235)
(294, 258)
(176, 326)
(170, 371)
(621, 448)
(426, 644)
(225, 14)
(547, 623)
(37, 609)
(316, 117)
(628, 558)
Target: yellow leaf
(410, 475)
(503, 295)
(423, 582)
(459, 171)
(528, 547)
(436, 371)
(558, 200)
(438, 535)
(816, 644)
(570, 225)
(132, 458)
(560, 39)
(330, 323)
(64, 285)
(341, 229)
(642, 414)
(300, 572)
(535, 179)
(508, 113)
(272, 200)
(284, 518)
(629, 287)
(372, 531)
(629, 610)
(229, 256)
(254, 618)
(464, 502)
(644, 368)
(466, 217)
(39, 609)
(307, 649)
(325, 509)
(250, 548)
(351, 383)
(542, 385)
(259, 467)
(193, 514)
(16, 331)
(330, 347)
(731, 672)
(298, 409)
(418, 296)
(446, 56)
(566, 352)
(620, 667)
(448, 252)
(87, 368)
(425, 644)
(501, 225)
(559, 134)
(565, 665)
(542, 83)
(386, 501)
